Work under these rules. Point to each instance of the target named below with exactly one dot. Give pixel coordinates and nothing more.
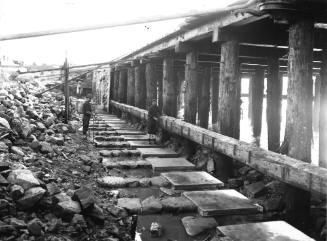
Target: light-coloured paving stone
(111, 144)
(106, 133)
(138, 163)
(109, 138)
(151, 205)
(196, 180)
(142, 144)
(132, 205)
(157, 152)
(170, 164)
(129, 132)
(177, 204)
(221, 202)
(268, 231)
(136, 137)
(195, 225)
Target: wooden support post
(116, 83)
(151, 84)
(205, 98)
(316, 102)
(122, 87)
(298, 132)
(130, 86)
(160, 89)
(274, 103)
(250, 99)
(66, 76)
(323, 110)
(111, 85)
(257, 100)
(140, 87)
(190, 103)
(229, 90)
(229, 102)
(198, 94)
(169, 105)
(214, 99)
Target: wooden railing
(281, 167)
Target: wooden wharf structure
(210, 54)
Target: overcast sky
(18, 16)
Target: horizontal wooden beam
(281, 167)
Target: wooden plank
(129, 132)
(192, 180)
(221, 202)
(281, 167)
(199, 32)
(268, 231)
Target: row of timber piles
(142, 81)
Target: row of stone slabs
(218, 202)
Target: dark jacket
(87, 109)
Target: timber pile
(258, 186)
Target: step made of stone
(222, 202)
(170, 164)
(143, 144)
(157, 152)
(194, 180)
(268, 231)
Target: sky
(20, 16)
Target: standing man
(153, 115)
(87, 111)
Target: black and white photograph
(175, 120)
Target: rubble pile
(45, 174)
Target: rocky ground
(48, 175)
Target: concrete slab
(157, 152)
(136, 137)
(142, 144)
(170, 164)
(129, 132)
(268, 231)
(221, 202)
(192, 180)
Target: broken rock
(31, 197)
(85, 197)
(23, 178)
(35, 227)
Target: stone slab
(109, 163)
(105, 133)
(109, 138)
(136, 137)
(111, 144)
(170, 164)
(221, 202)
(268, 231)
(157, 152)
(196, 180)
(196, 225)
(129, 132)
(142, 144)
